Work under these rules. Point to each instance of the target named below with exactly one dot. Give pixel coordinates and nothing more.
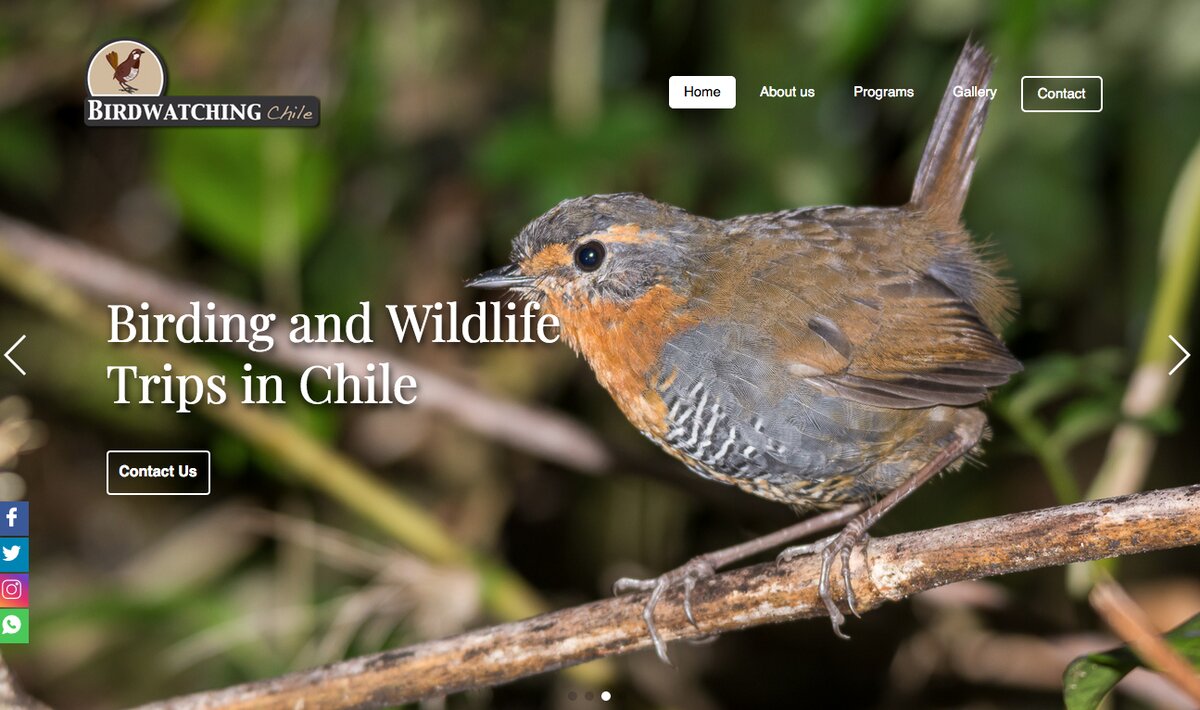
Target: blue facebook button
(14, 517)
(14, 554)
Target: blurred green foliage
(249, 194)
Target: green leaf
(1053, 376)
(1083, 419)
(259, 196)
(1044, 380)
(1090, 678)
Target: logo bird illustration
(127, 70)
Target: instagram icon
(14, 590)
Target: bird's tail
(112, 59)
(949, 159)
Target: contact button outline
(108, 471)
(1062, 110)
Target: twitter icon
(14, 554)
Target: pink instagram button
(14, 590)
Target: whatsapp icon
(14, 626)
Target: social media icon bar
(14, 572)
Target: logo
(14, 517)
(14, 590)
(11, 624)
(14, 554)
(126, 68)
(127, 86)
(11, 589)
(14, 626)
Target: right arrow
(1186, 355)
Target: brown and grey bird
(127, 70)
(829, 358)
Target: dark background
(445, 127)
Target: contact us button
(1062, 94)
(159, 472)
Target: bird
(832, 359)
(10, 553)
(127, 70)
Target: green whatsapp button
(14, 626)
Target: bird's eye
(589, 256)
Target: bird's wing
(920, 347)
(112, 59)
(861, 321)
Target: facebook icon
(14, 518)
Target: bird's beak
(508, 276)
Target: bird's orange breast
(623, 343)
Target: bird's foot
(832, 547)
(689, 574)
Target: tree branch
(895, 567)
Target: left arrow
(8, 354)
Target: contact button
(159, 472)
(1062, 94)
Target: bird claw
(841, 546)
(689, 574)
(808, 548)
(689, 583)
